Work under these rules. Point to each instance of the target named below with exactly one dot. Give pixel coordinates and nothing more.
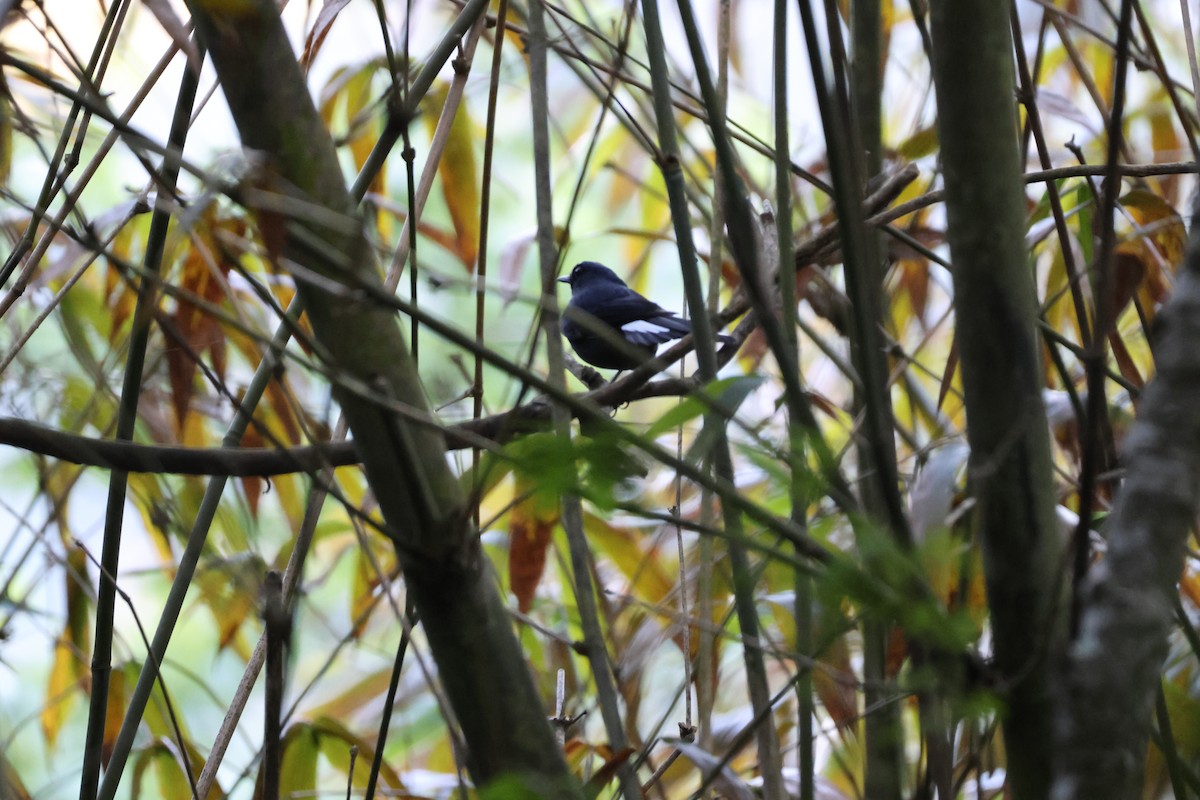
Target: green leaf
(726, 394)
(298, 767)
(891, 584)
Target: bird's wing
(655, 330)
(618, 307)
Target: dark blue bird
(596, 290)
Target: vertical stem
(802, 610)
(389, 703)
(489, 149)
(275, 618)
(743, 574)
(572, 514)
(131, 388)
(876, 450)
(1093, 458)
(705, 651)
(995, 306)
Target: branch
(237, 462)
(1114, 668)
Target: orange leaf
(1129, 370)
(320, 29)
(1158, 246)
(121, 300)
(835, 685)
(914, 277)
(530, 530)
(897, 651)
(1129, 270)
(607, 771)
(196, 331)
(252, 485)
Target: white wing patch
(647, 332)
(644, 326)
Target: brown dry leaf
(575, 750)
(320, 29)
(1129, 270)
(948, 375)
(1158, 251)
(204, 272)
(120, 299)
(252, 485)
(608, 770)
(913, 275)
(753, 351)
(530, 528)
(836, 686)
(285, 417)
(1125, 362)
(897, 651)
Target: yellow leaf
(459, 176)
(335, 742)
(920, 144)
(60, 694)
(69, 670)
(6, 135)
(114, 712)
(649, 581)
(1167, 144)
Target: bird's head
(589, 272)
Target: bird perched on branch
(596, 291)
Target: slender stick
(572, 515)
(131, 389)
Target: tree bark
(1114, 667)
(320, 237)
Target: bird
(597, 291)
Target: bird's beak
(565, 279)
